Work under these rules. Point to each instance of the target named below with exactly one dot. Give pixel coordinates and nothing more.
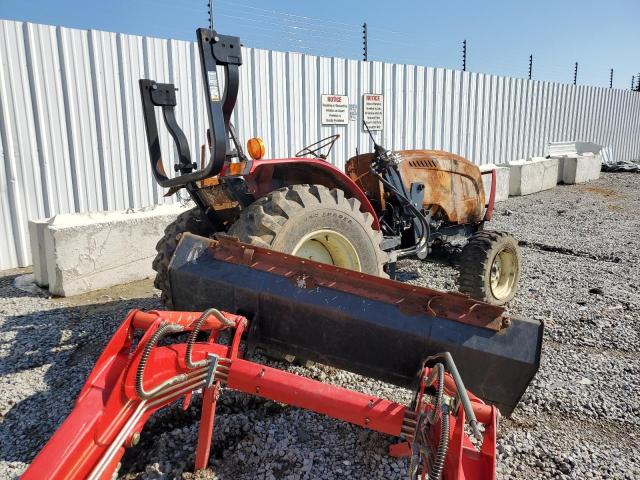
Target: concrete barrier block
(98, 250)
(525, 177)
(581, 169)
(37, 230)
(502, 181)
(532, 175)
(560, 169)
(596, 166)
(549, 172)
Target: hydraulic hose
(437, 373)
(438, 412)
(443, 446)
(194, 334)
(163, 330)
(426, 229)
(462, 391)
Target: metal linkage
(462, 392)
(117, 400)
(128, 385)
(437, 443)
(437, 413)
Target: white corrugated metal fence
(72, 133)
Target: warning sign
(335, 110)
(373, 110)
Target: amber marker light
(255, 146)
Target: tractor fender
(265, 176)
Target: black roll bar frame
(215, 50)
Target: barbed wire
(285, 14)
(265, 27)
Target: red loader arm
(127, 386)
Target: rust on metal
(410, 299)
(359, 169)
(454, 189)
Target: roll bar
(215, 50)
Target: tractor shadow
(447, 254)
(441, 256)
(46, 358)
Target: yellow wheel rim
(504, 270)
(328, 246)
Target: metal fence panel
(72, 135)
(24, 195)
(7, 244)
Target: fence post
(364, 41)
(210, 12)
(464, 55)
(611, 78)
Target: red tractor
(387, 206)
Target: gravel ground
(580, 418)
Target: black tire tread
(259, 223)
(191, 221)
(474, 259)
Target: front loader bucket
(368, 325)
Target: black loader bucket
(364, 324)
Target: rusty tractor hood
(454, 186)
(454, 190)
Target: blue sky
(500, 33)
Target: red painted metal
(205, 432)
(488, 214)
(463, 461)
(108, 401)
(109, 415)
(400, 450)
(353, 407)
(310, 170)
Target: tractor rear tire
(314, 222)
(490, 266)
(192, 221)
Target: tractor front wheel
(490, 267)
(314, 222)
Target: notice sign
(335, 110)
(373, 110)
